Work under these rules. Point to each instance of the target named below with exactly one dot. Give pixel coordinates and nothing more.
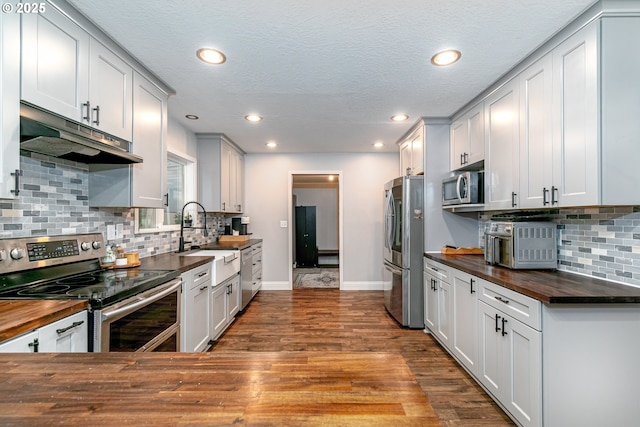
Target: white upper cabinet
(221, 184)
(501, 148)
(536, 135)
(110, 92)
(149, 142)
(412, 152)
(467, 139)
(575, 120)
(66, 71)
(9, 105)
(55, 64)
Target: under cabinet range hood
(48, 133)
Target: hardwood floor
(329, 320)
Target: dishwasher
(246, 275)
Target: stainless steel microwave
(465, 188)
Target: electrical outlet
(111, 232)
(283, 224)
(119, 231)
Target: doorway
(315, 232)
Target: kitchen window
(181, 184)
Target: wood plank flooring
(316, 321)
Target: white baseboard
(276, 286)
(346, 286)
(361, 286)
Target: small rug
(323, 279)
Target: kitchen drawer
(201, 275)
(520, 307)
(441, 271)
(256, 248)
(257, 266)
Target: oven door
(149, 321)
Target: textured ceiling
(326, 75)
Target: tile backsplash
(602, 242)
(54, 200)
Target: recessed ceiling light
(211, 56)
(399, 117)
(446, 57)
(192, 117)
(271, 144)
(253, 118)
(378, 145)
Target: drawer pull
(204, 273)
(73, 325)
(202, 288)
(506, 301)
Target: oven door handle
(132, 307)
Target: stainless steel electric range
(130, 309)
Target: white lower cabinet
(195, 326)
(225, 304)
(464, 339)
(493, 332)
(510, 364)
(438, 302)
(68, 335)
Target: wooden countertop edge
(546, 298)
(36, 313)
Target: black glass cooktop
(100, 287)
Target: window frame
(190, 191)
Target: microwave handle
(458, 187)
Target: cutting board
(462, 251)
(233, 239)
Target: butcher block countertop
(173, 261)
(247, 388)
(231, 245)
(20, 316)
(547, 286)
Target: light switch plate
(111, 232)
(283, 224)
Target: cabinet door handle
(224, 206)
(513, 199)
(504, 332)
(17, 174)
(166, 199)
(34, 345)
(88, 116)
(506, 301)
(97, 120)
(73, 325)
(466, 158)
(497, 320)
(545, 202)
(554, 192)
(461, 159)
(471, 282)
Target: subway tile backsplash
(602, 242)
(54, 201)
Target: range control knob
(96, 245)
(3, 254)
(85, 246)
(17, 253)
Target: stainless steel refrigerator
(404, 249)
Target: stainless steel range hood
(47, 133)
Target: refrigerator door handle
(392, 268)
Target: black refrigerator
(306, 246)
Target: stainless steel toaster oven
(521, 245)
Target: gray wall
(363, 177)
(326, 202)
